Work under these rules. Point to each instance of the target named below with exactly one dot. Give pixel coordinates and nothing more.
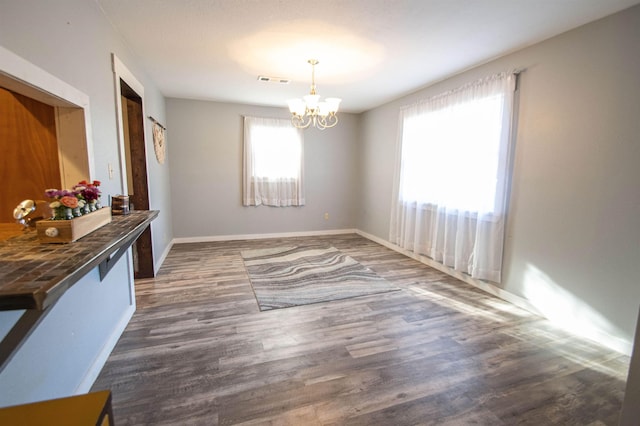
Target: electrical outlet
(110, 168)
(326, 216)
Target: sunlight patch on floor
(456, 304)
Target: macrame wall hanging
(158, 140)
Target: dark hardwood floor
(439, 352)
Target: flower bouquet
(82, 198)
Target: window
(273, 163)
(462, 158)
(451, 180)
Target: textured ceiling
(370, 51)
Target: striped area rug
(291, 276)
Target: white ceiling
(370, 51)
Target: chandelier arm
(322, 123)
(301, 122)
(328, 121)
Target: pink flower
(69, 201)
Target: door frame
(121, 72)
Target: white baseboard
(482, 285)
(160, 261)
(93, 371)
(601, 337)
(516, 300)
(619, 345)
(213, 238)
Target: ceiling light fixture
(309, 110)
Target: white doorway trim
(121, 72)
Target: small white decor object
(158, 142)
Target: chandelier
(309, 110)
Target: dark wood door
(143, 249)
(28, 151)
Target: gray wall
(573, 237)
(72, 40)
(206, 172)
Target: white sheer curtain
(452, 174)
(273, 163)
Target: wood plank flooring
(439, 352)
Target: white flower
(55, 204)
(81, 203)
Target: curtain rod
(157, 122)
